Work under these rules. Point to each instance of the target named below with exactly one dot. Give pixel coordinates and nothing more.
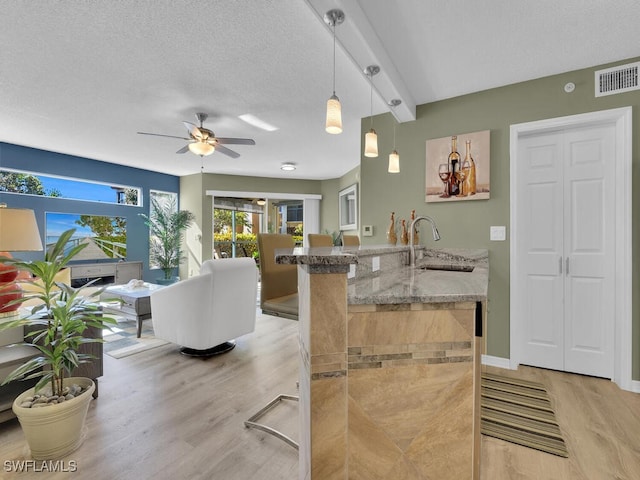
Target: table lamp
(18, 233)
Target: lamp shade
(19, 230)
(334, 115)
(371, 144)
(201, 148)
(394, 162)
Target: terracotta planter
(55, 431)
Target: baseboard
(496, 362)
(635, 386)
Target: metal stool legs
(252, 422)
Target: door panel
(543, 335)
(590, 249)
(540, 251)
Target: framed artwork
(457, 167)
(348, 208)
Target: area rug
(520, 412)
(121, 340)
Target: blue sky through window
(80, 190)
(75, 189)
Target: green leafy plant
(57, 324)
(167, 224)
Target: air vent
(623, 78)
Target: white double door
(566, 249)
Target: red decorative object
(9, 290)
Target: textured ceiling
(82, 77)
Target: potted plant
(52, 414)
(167, 225)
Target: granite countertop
(316, 256)
(402, 283)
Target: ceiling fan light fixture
(201, 148)
(288, 167)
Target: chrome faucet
(434, 231)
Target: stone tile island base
(410, 390)
(387, 391)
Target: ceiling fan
(203, 141)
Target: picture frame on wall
(458, 167)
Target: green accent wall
(466, 224)
(329, 204)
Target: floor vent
(623, 78)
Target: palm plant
(167, 224)
(58, 323)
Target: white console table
(115, 272)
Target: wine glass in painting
(444, 171)
(460, 175)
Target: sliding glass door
(236, 222)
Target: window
(31, 183)
(348, 208)
(294, 213)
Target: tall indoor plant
(167, 224)
(57, 326)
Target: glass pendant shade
(334, 115)
(201, 148)
(371, 144)
(394, 162)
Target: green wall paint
(466, 224)
(329, 204)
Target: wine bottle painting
(457, 167)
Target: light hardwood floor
(163, 415)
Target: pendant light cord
(371, 98)
(394, 135)
(334, 57)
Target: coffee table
(136, 304)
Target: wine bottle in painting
(454, 160)
(470, 181)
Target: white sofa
(203, 313)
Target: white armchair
(204, 313)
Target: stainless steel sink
(448, 267)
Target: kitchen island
(389, 362)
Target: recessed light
(256, 122)
(288, 167)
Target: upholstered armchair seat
(279, 283)
(204, 313)
(287, 305)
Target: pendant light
(371, 138)
(333, 122)
(394, 157)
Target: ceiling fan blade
(193, 130)
(235, 141)
(227, 151)
(184, 149)
(160, 135)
